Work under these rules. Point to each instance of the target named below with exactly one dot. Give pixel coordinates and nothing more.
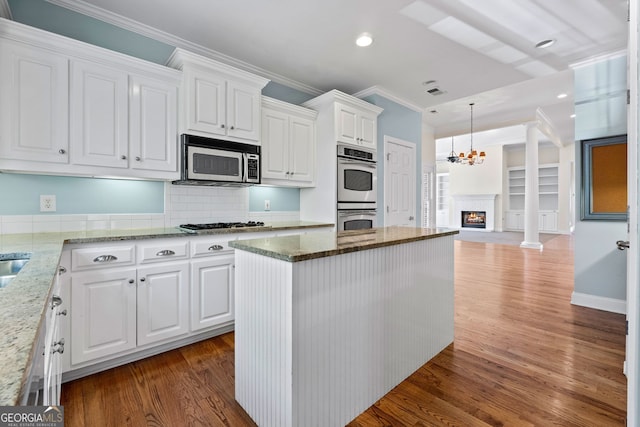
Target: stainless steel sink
(10, 265)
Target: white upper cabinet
(76, 109)
(99, 115)
(218, 100)
(355, 126)
(288, 144)
(153, 129)
(34, 117)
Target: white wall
(486, 178)
(600, 98)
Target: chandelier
(472, 157)
(453, 156)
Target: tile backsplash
(183, 204)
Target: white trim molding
(600, 303)
(5, 10)
(379, 90)
(125, 23)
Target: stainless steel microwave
(209, 161)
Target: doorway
(399, 182)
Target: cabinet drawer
(104, 256)
(165, 251)
(208, 247)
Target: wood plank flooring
(522, 356)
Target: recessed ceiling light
(562, 95)
(545, 43)
(364, 40)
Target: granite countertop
(24, 301)
(318, 245)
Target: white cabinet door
(163, 302)
(302, 150)
(34, 104)
(367, 130)
(153, 142)
(99, 115)
(346, 124)
(515, 221)
(275, 145)
(548, 221)
(243, 111)
(103, 315)
(205, 102)
(212, 292)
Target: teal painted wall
(403, 123)
(20, 195)
(49, 17)
(281, 199)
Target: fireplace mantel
(475, 202)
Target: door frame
(632, 369)
(412, 146)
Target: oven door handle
(352, 213)
(357, 162)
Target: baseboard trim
(601, 303)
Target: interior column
(531, 201)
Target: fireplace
(473, 219)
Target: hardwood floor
(522, 356)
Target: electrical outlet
(267, 205)
(47, 203)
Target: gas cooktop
(216, 225)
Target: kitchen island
(326, 324)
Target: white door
(633, 283)
(103, 315)
(399, 182)
(34, 105)
(302, 153)
(99, 115)
(153, 140)
(212, 295)
(163, 302)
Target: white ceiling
(480, 51)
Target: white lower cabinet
(212, 291)
(547, 221)
(103, 313)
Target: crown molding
(379, 90)
(596, 59)
(128, 24)
(5, 10)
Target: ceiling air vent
(435, 91)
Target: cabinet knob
(142, 279)
(138, 158)
(286, 173)
(59, 349)
(62, 270)
(131, 281)
(222, 126)
(62, 151)
(232, 128)
(62, 313)
(123, 157)
(55, 301)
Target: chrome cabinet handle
(61, 342)
(622, 244)
(55, 301)
(62, 313)
(216, 247)
(165, 252)
(62, 270)
(62, 151)
(105, 258)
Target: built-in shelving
(547, 197)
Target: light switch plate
(267, 205)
